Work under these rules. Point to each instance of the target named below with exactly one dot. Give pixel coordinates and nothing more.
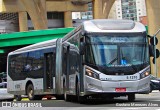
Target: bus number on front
(132, 77)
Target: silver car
(4, 95)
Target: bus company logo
(6, 104)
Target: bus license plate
(120, 89)
(132, 77)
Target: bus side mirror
(157, 55)
(82, 48)
(152, 40)
(151, 51)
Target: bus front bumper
(94, 86)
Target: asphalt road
(143, 102)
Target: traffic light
(152, 48)
(152, 40)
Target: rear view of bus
(116, 58)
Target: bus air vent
(114, 24)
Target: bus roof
(116, 26)
(98, 26)
(35, 46)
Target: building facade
(84, 15)
(121, 9)
(8, 22)
(24, 15)
(130, 9)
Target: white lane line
(155, 91)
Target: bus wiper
(112, 61)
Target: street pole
(155, 60)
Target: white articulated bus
(100, 58)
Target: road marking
(155, 91)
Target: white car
(4, 95)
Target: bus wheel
(30, 92)
(17, 97)
(131, 97)
(80, 99)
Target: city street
(143, 102)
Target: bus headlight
(144, 74)
(92, 74)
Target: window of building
(55, 15)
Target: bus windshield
(118, 51)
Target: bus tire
(80, 99)
(17, 97)
(131, 97)
(30, 92)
